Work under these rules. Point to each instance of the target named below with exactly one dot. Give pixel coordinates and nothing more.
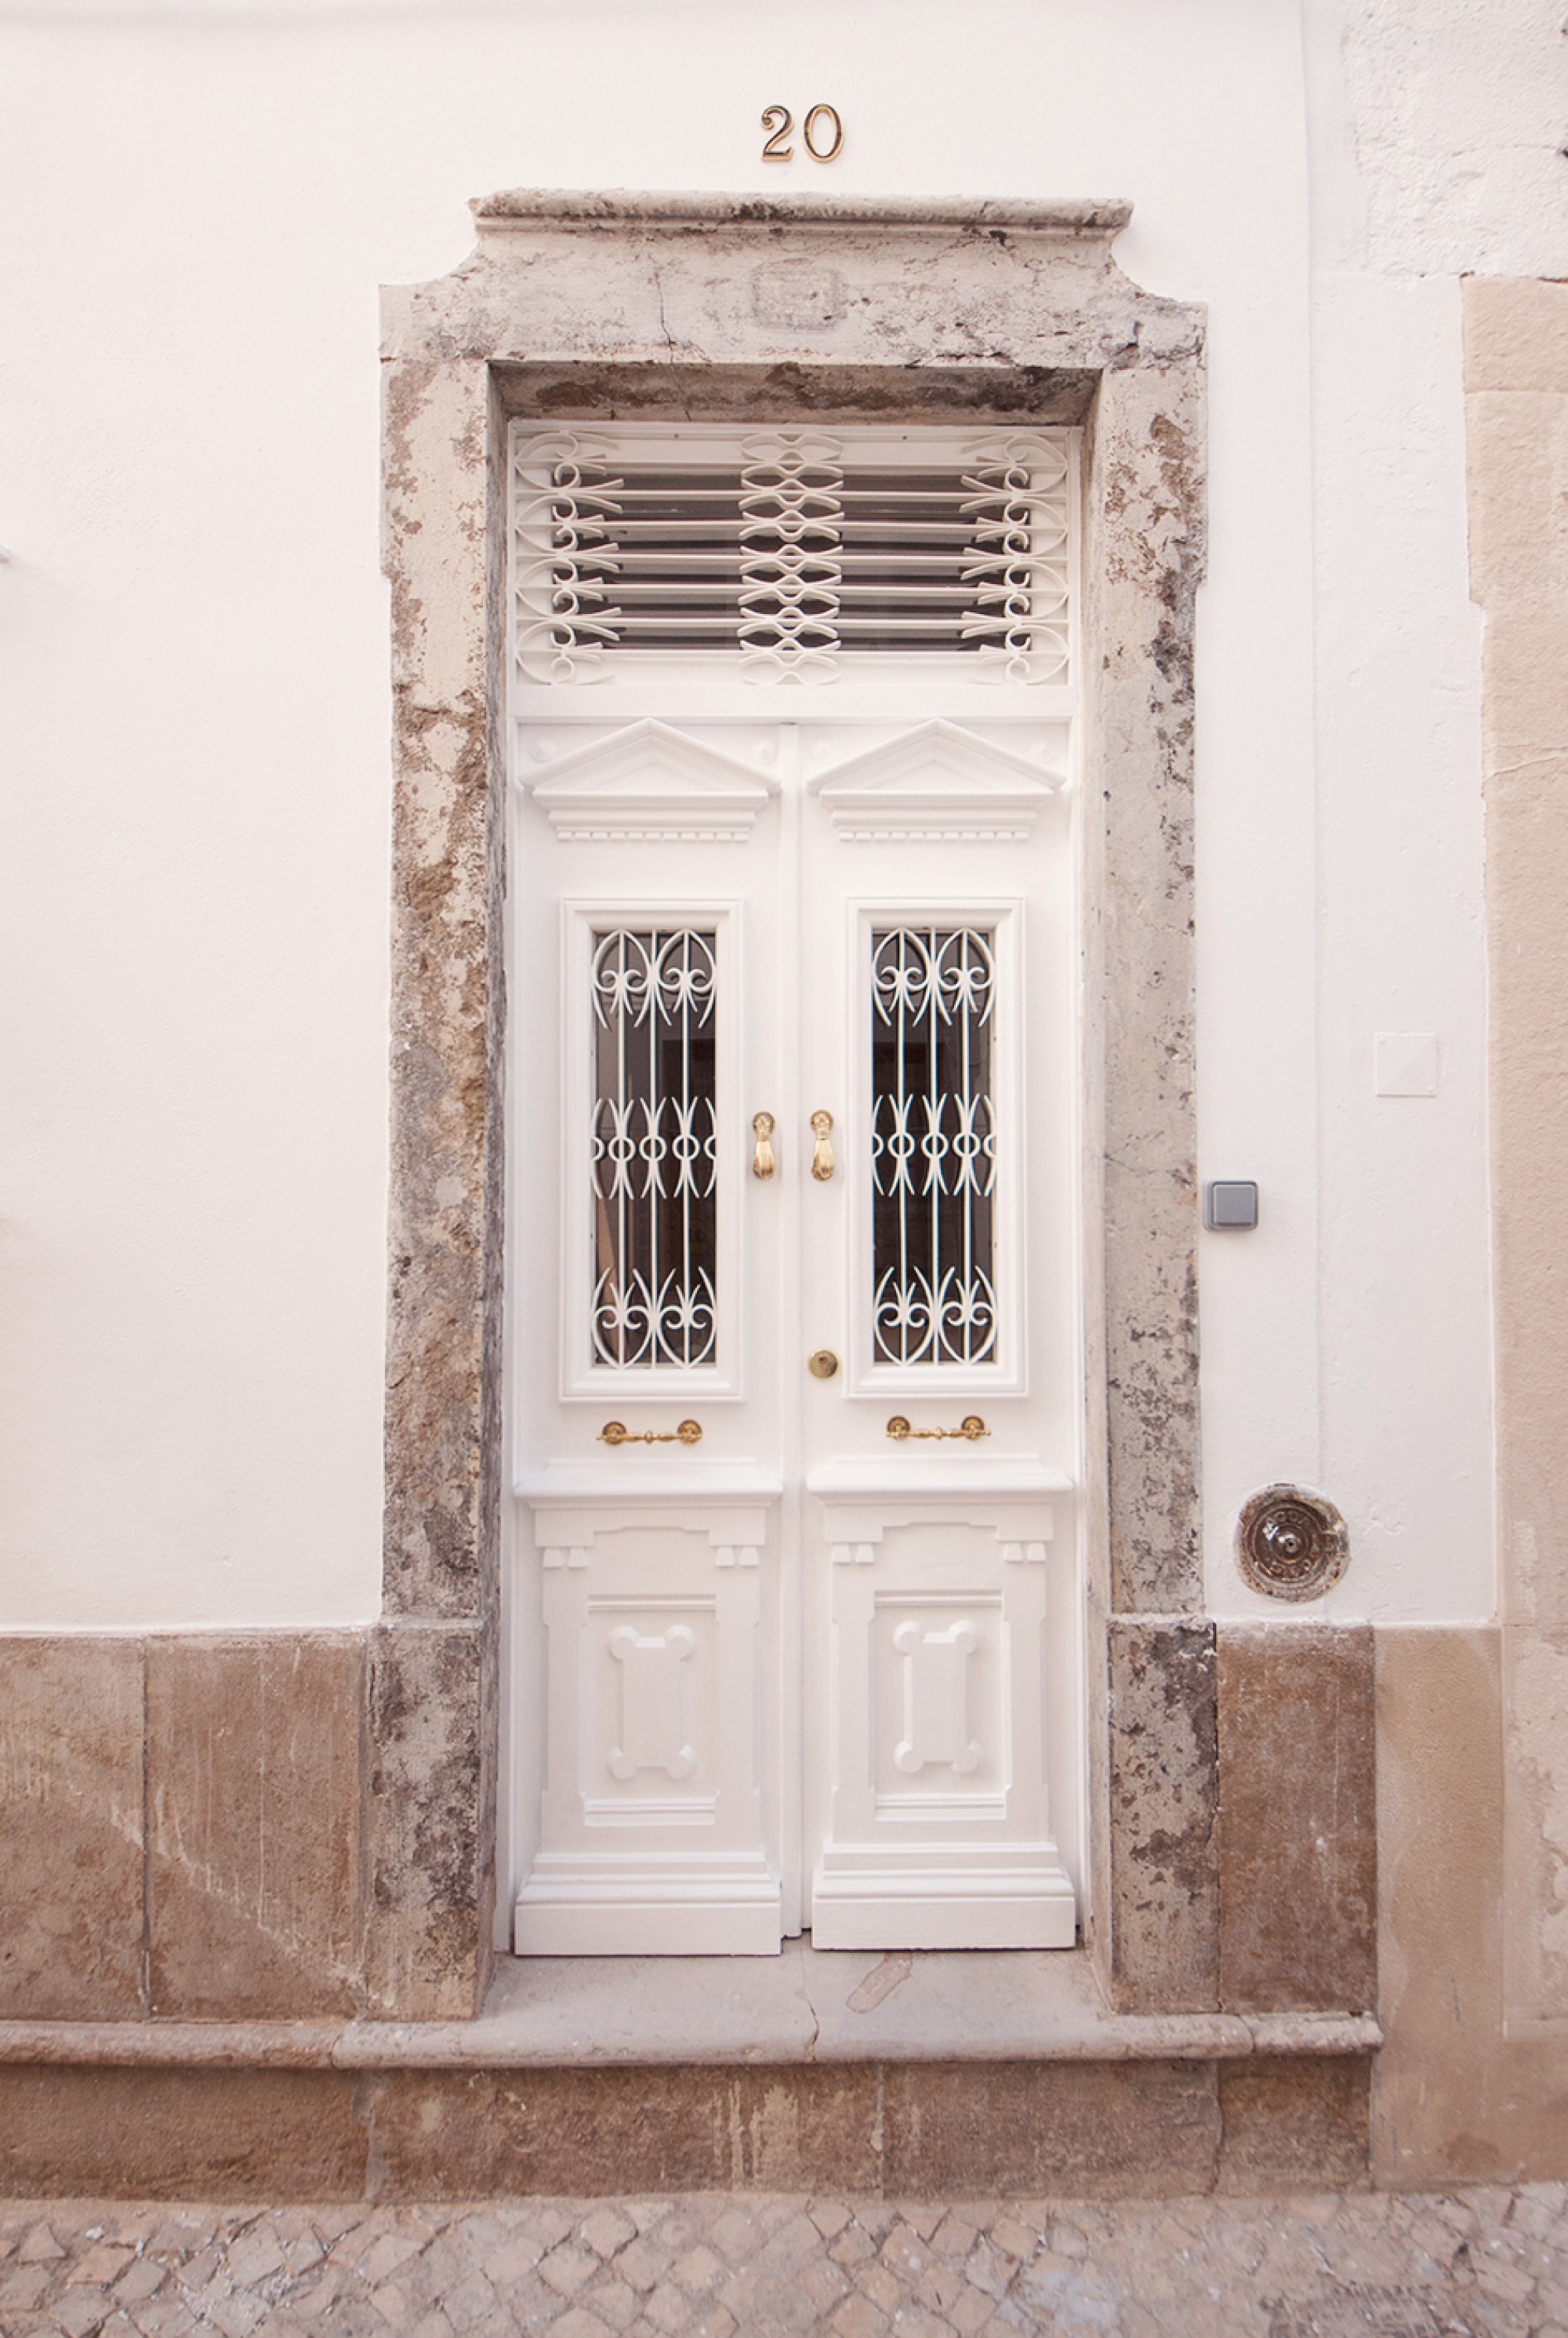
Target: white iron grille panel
(654, 1148)
(790, 554)
(933, 1145)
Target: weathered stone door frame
(708, 306)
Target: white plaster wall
(198, 204)
(1434, 128)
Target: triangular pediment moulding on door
(937, 782)
(649, 783)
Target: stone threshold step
(804, 2005)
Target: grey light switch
(1230, 1204)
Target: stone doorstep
(803, 2005)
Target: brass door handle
(615, 1432)
(822, 1152)
(762, 1163)
(971, 1428)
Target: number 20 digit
(822, 153)
(779, 121)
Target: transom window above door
(805, 555)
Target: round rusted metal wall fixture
(1291, 1543)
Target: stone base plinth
(947, 2130)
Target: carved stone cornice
(616, 207)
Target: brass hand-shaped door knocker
(762, 1163)
(822, 1152)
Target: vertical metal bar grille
(654, 1148)
(933, 1145)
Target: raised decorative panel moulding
(568, 1536)
(701, 1483)
(854, 1531)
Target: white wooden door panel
(653, 1793)
(799, 1643)
(937, 1833)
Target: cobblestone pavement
(1489, 2263)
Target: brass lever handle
(762, 1163)
(822, 1153)
(971, 1428)
(615, 1432)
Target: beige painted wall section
(1473, 1754)
(1517, 396)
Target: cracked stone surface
(1470, 2263)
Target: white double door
(795, 1617)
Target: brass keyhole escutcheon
(822, 1363)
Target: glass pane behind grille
(712, 561)
(654, 1148)
(933, 1145)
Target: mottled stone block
(1515, 335)
(429, 1851)
(1163, 1853)
(70, 1828)
(1144, 561)
(448, 2134)
(1457, 2098)
(254, 1793)
(1085, 2130)
(809, 2129)
(1298, 1818)
(1295, 2124)
(448, 1001)
(924, 2129)
(193, 2135)
(1123, 2130)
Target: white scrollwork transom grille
(933, 1144)
(654, 1148)
(796, 554)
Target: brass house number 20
(822, 133)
